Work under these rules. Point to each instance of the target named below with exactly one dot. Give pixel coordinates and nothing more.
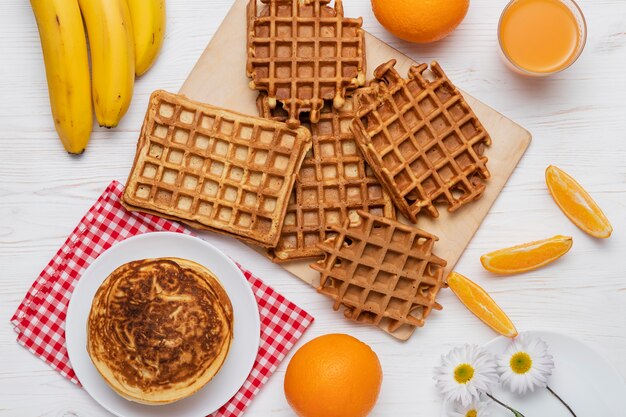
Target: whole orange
(334, 375)
(420, 21)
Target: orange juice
(541, 36)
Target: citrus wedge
(481, 304)
(526, 257)
(577, 204)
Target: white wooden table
(578, 120)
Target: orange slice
(577, 204)
(526, 257)
(481, 304)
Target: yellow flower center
(463, 373)
(471, 413)
(521, 363)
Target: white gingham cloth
(40, 319)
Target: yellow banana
(148, 18)
(67, 70)
(110, 32)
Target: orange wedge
(526, 257)
(577, 204)
(481, 304)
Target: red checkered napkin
(40, 318)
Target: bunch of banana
(125, 37)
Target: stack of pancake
(159, 329)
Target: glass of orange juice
(541, 37)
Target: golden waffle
(159, 329)
(214, 168)
(382, 271)
(304, 52)
(333, 182)
(422, 139)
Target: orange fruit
(526, 257)
(481, 304)
(334, 375)
(420, 21)
(577, 204)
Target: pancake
(159, 329)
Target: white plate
(243, 350)
(582, 377)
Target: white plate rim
(253, 326)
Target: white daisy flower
(464, 373)
(475, 409)
(526, 364)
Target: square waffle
(214, 168)
(304, 52)
(333, 183)
(382, 271)
(422, 139)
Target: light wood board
(219, 78)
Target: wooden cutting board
(219, 78)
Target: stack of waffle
(321, 173)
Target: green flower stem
(514, 411)
(561, 400)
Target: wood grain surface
(577, 118)
(213, 81)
